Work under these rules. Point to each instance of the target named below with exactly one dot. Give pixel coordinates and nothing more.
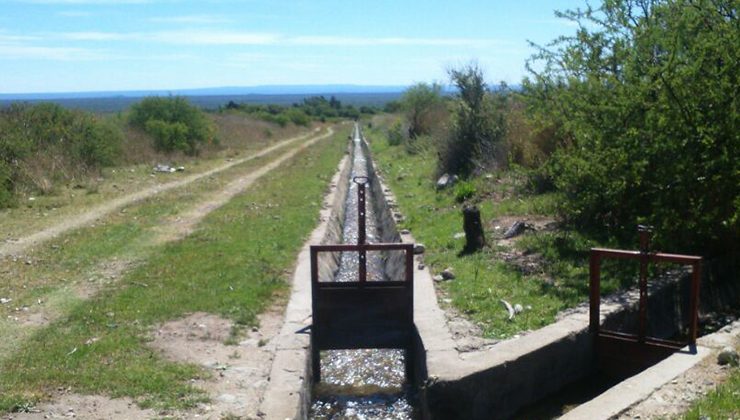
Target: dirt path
(174, 229)
(24, 243)
(240, 373)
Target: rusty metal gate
(361, 314)
(628, 352)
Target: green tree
(422, 104)
(645, 97)
(173, 122)
(478, 124)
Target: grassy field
(483, 278)
(234, 265)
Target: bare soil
(69, 406)
(240, 373)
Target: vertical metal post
(361, 234)
(595, 292)
(315, 351)
(694, 303)
(644, 232)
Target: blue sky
(93, 45)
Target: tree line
(633, 119)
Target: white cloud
(74, 13)
(192, 19)
(15, 39)
(212, 38)
(208, 37)
(100, 2)
(48, 53)
(97, 36)
(391, 41)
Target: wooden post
(475, 239)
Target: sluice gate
(361, 314)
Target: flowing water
(367, 383)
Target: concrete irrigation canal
(364, 337)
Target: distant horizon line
(257, 90)
(268, 89)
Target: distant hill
(216, 91)
(211, 98)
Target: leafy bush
(646, 92)
(45, 142)
(395, 134)
(173, 122)
(478, 125)
(422, 104)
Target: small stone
(227, 398)
(459, 235)
(419, 249)
(405, 232)
(5, 300)
(437, 278)
(728, 356)
(420, 266)
(448, 274)
(518, 308)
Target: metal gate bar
(361, 314)
(639, 346)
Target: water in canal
(367, 383)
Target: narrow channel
(366, 383)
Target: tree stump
(475, 240)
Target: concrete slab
(637, 388)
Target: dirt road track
(24, 243)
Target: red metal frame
(645, 257)
(360, 314)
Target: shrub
(478, 125)
(646, 93)
(45, 142)
(173, 122)
(464, 190)
(395, 134)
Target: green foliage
(645, 99)
(173, 122)
(48, 138)
(464, 190)
(422, 104)
(395, 134)
(478, 124)
(316, 108)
